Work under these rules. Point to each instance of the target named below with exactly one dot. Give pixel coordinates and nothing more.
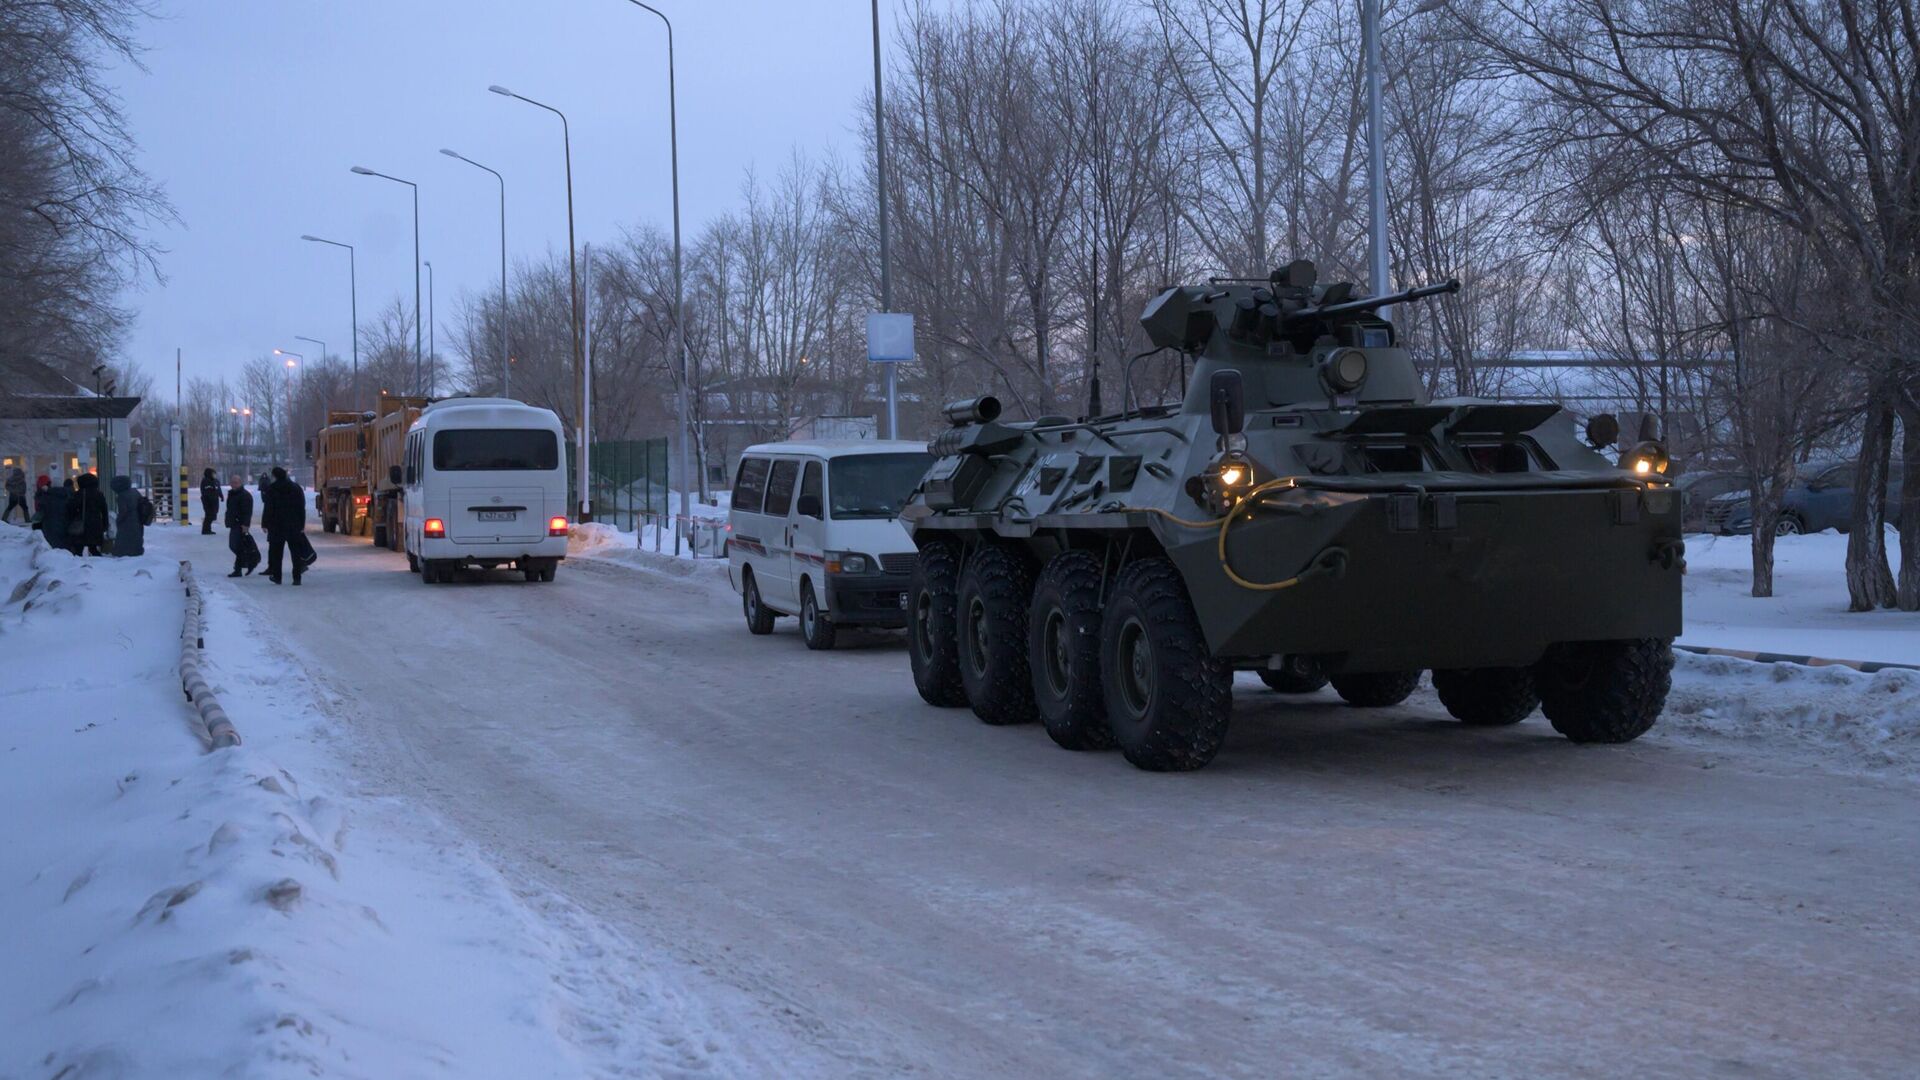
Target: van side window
(810, 504)
(751, 485)
(780, 487)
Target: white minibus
(485, 485)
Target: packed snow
(175, 912)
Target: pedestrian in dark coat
(53, 515)
(92, 508)
(41, 485)
(209, 501)
(283, 513)
(246, 553)
(129, 532)
(17, 496)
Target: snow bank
(1806, 616)
(1847, 718)
(595, 540)
(174, 913)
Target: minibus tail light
(557, 526)
(434, 528)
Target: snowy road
(857, 884)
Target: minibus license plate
(497, 515)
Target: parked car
(815, 532)
(1820, 498)
(1698, 490)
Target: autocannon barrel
(977, 410)
(1370, 303)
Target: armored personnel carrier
(1305, 512)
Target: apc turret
(1304, 512)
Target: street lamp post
(353, 287)
(679, 323)
(364, 171)
(506, 372)
(573, 271)
(293, 359)
(433, 351)
(1376, 155)
(880, 179)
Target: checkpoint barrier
(700, 537)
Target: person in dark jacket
(129, 532)
(91, 505)
(246, 554)
(41, 485)
(283, 513)
(53, 515)
(17, 496)
(209, 501)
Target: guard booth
(62, 436)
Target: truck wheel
(1487, 697)
(1063, 651)
(380, 534)
(1168, 698)
(1375, 689)
(815, 628)
(759, 616)
(996, 589)
(1295, 675)
(1605, 691)
(933, 644)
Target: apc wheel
(1375, 689)
(1487, 697)
(933, 644)
(996, 589)
(1296, 675)
(1168, 699)
(1605, 691)
(759, 616)
(815, 627)
(1063, 652)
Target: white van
(814, 532)
(485, 484)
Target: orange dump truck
(351, 456)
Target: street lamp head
(496, 88)
(451, 154)
(363, 170)
(308, 236)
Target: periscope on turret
(1305, 511)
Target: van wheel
(1063, 651)
(815, 627)
(429, 573)
(759, 616)
(1169, 699)
(996, 591)
(933, 643)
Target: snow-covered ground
(1806, 615)
(594, 828)
(257, 911)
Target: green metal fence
(628, 478)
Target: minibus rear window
(495, 450)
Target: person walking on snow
(17, 496)
(209, 501)
(50, 502)
(131, 512)
(246, 553)
(283, 513)
(91, 508)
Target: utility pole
(880, 174)
(1376, 157)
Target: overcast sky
(252, 111)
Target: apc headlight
(1344, 370)
(1647, 460)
